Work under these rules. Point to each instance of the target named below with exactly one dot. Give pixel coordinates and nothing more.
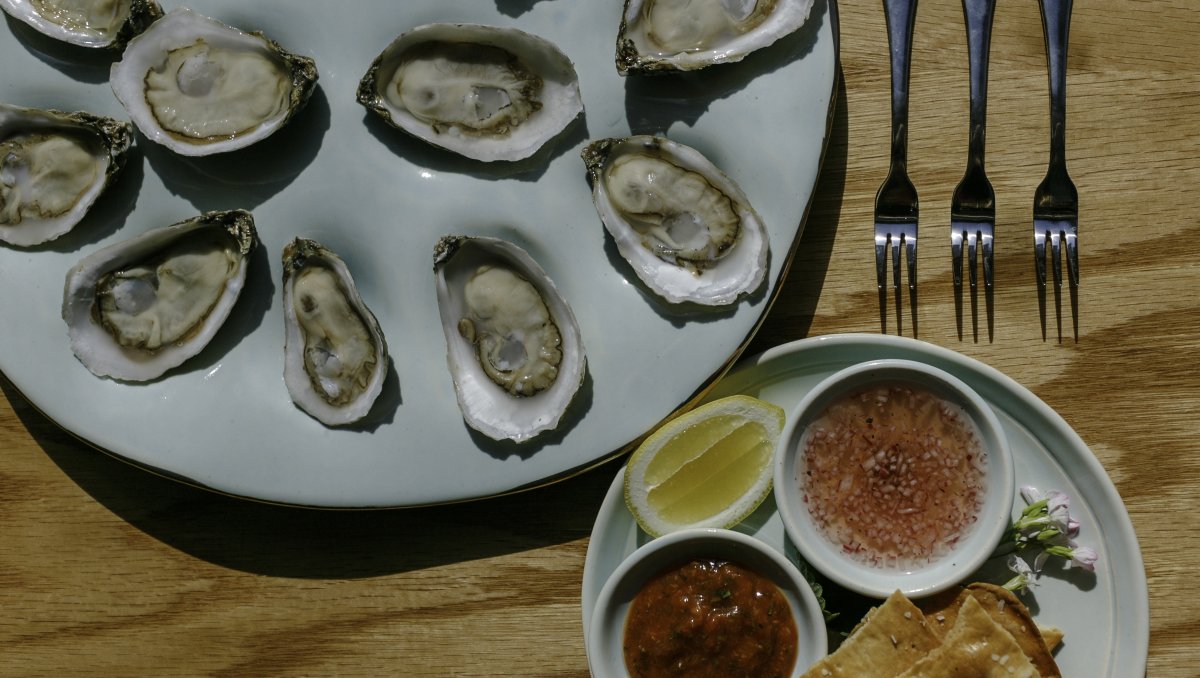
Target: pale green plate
(1105, 615)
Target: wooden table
(107, 570)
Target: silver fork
(973, 205)
(1056, 202)
(896, 202)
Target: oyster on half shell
(53, 167)
(685, 227)
(87, 23)
(335, 356)
(484, 92)
(143, 306)
(200, 87)
(658, 36)
(513, 345)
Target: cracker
(976, 646)
(891, 638)
(1008, 611)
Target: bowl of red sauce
(705, 602)
(894, 475)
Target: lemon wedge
(710, 467)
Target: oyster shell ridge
(738, 272)
(116, 138)
(786, 18)
(561, 102)
(485, 406)
(128, 73)
(95, 347)
(142, 13)
(296, 255)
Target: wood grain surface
(108, 570)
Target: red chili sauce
(710, 618)
(893, 475)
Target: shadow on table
(286, 541)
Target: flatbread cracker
(891, 638)
(941, 610)
(1052, 635)
(975, 647)
(1006, 609)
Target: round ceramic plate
(381, 200)
(1105, 616)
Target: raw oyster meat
(685, 227)
(53, 167)
(335, 356)
(513, 345)
(87, 23)
(685, 35)
(141, 307)
(200, 87)
(485, 92)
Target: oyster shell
(485, 92)
(53, 167)
(685, 35)
(685, 227)
(141, 307)
(513, 345)
(335, 356)
(200, 87)
(87, 23)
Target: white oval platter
(381, 200)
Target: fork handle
(1056, 22)
(978, 15)
(901, 15)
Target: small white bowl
(966, 556)
(605, 642)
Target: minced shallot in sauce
(893, 475)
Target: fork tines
(900, 235)
(1057, 231)
(977, 235)
(896, 212)
(973, 220)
